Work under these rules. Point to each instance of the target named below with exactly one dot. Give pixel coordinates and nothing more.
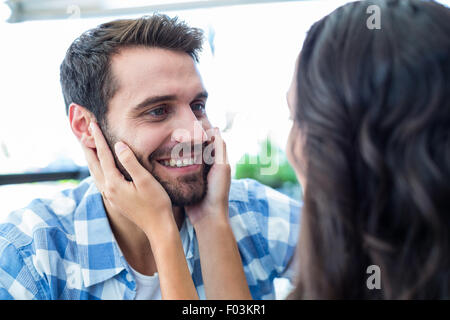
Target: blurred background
(246, 64)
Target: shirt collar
(187, 235)
(99, 256)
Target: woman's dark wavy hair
(374, 105)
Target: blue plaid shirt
(63, 248)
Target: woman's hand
(215, 204)
(142, 200)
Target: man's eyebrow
(203, 94)
(154, 100)
(157, 99)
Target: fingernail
(120, 147)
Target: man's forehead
(158, 70)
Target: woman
(371, 146)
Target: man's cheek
(142, 151)
(142, 159)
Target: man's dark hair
(374, 105)
(85, 73)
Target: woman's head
(371, 143)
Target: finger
(104, 154)
(220, 151)
(127, 158)
(94, 167)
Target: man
(137, 79)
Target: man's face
(159, 111)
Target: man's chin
(185, 194)
(186, 190)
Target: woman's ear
(80, 118)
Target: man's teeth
(178, 163)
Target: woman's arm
(175, 279)
(222, 270)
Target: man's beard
(189, 189)
(186, 190)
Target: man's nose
(189, 129)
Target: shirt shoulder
(34, 241)
(20, 226)
(265, 223)
(250, 195)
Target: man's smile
(180, 163)
(180, 166)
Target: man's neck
(132, 240)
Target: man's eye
(158, 112)
(198, 108)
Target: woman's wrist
(217, 220)
(161, 229)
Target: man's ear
(80, 119)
